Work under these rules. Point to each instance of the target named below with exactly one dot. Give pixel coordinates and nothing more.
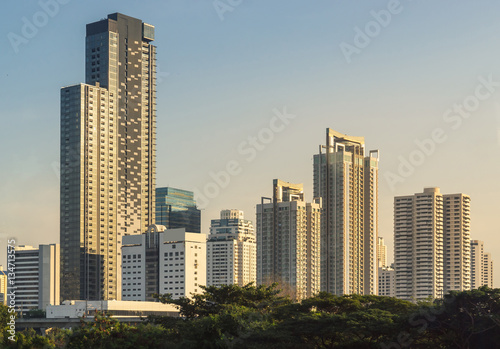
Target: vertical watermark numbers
(11, 287)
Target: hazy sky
(405, 75)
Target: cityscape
(146, 217)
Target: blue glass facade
(176, 208)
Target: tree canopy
(259, 317)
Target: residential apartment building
(346, 179)
(37, 277)
(386, 281)
(163, 261)
(288, 240)
(456, 243)
(481, 265)
(488, 270)
(108, 128)
(231, 250)
(381, 253)
(176, 208)
(431, 244)
(477, 263)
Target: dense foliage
(260, 317)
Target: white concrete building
(381, 253)
(477, 263)
(488, 270)
(37, 276)
(431, 244)
(481, 265)
(79, 308)
(231, 250)
(418, 245)
(163, 261)
(288, 240)
(386, 281)
(456, 243)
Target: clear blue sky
(220, 80)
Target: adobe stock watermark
(497, 115)
(454, 117)
(32, 25)
(223, 6)
(363, 36)
(420, 319)
(161, 76)
(249, 149)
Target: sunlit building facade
(108, 128)
(481, 265)
(37, 277)
(231, 250)
(163, 261)
(456, 243)
(418, 245)
(346, 179)
(288, 240)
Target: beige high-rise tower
(381, 253)
(456, 242)
(108, 128)
(418, 245)
(288, 240)
(231, 250)
(481, 266)
(347, 181)
(431, 244)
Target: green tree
(214, 299)
(469, 319)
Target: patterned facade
(288, 240)
(347, 181)
(108, 128)
(231, 250)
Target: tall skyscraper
(231, 250)
(37, 281)
(418, 245)
(456, 242)
(481, 265)
(288, 240)
(108, 128)
(431, 244)
(381, 253)
(347, 182)
(176, 208)
(488, 270)
(476, 263)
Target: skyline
(235, 72)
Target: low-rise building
(387, 281)
(163, 261)
(37, 274)
(79, 308)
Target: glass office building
(176, 208)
